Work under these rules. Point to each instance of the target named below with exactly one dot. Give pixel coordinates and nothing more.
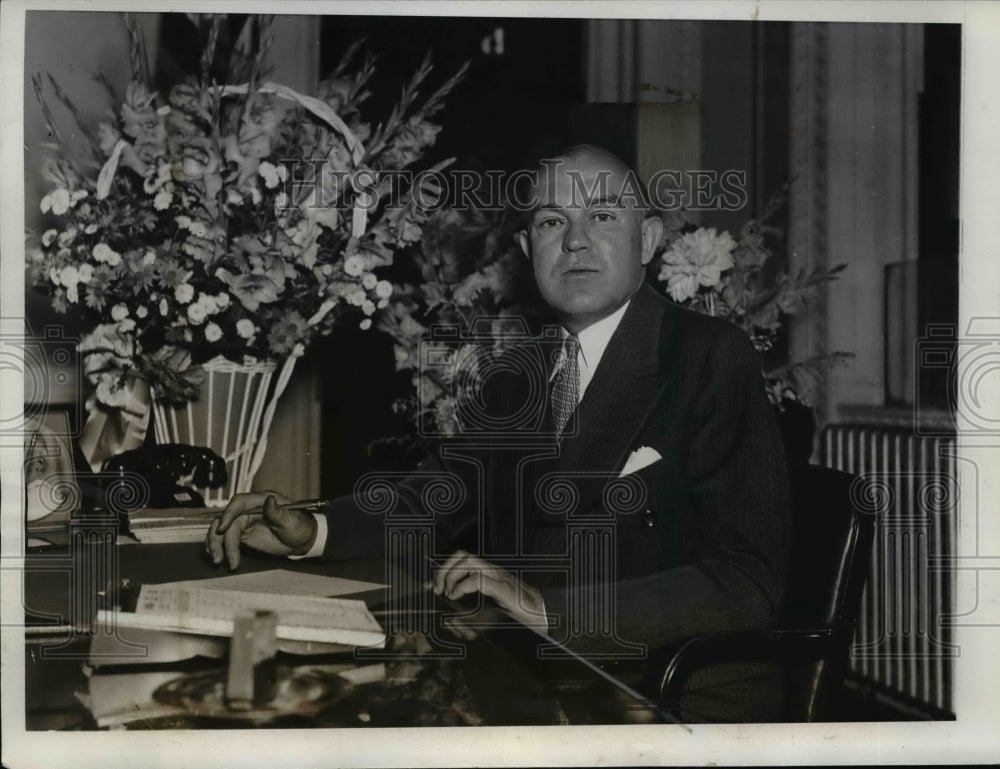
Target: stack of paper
(176, 524)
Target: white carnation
(162, 200)
(245, 328)
(69, 276)
(102, 252)
(208, 304)
(212, 332)
(383, 290)
(184, 293)
(66, 238)
(196, 313)
(354, 265)
(271, 174)
(59, 201)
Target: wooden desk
(431, 678)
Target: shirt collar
(594, 339)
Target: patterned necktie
(565, 392)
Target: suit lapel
(625, 389)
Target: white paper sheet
(285, 582)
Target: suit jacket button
(648, 518)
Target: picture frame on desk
(49, 472)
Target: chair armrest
(781, 646)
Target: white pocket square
(642, 457)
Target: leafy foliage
(226, 219)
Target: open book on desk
(187, 607)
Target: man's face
(587, 240)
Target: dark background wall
(525, 96)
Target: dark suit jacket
(698, 541)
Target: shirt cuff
(319, 544)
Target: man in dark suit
(654, 415)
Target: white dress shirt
(593, 342)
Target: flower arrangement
(712, 272)
(227, 219)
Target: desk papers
(191, 608)
(285, 582)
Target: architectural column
(657, 66)
(854, 191)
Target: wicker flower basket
(232, 417)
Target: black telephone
(164, 467)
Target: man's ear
(652, 231)
(522, 239)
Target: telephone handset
(166, 466)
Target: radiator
(910, 483)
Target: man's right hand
(277, 531)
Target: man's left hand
(464, 573)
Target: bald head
(594, 175)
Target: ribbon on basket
(110, 431)
(286, 374)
